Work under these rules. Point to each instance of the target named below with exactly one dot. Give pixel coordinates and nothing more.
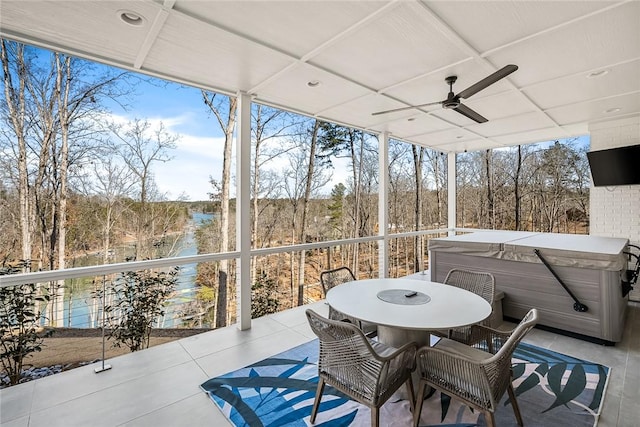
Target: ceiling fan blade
(405, 108)
(487, 81)
(466, 111)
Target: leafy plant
(20, 332)
(136, 300)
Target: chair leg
(418, 406)
(514, 404)
(410, 393)
(375, 417)
(316, 402)
(490, 419)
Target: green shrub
(20, 331)
(134, 301)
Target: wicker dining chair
(480, 283)
(479, 374)
(365, 370)
(335, 277)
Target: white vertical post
(451, 192)
(243, 217)
(103, 296)
(383, 205)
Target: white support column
(243, 217)
(383, 205)
(451, 191)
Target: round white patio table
(401, 318)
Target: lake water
(81, 309)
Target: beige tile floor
(160, 386)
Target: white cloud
(188, 174)
(194, 160)
(211, 147)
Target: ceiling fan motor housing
(451, 102)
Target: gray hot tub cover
(567, 250)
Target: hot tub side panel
(527, 285)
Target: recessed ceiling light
(131, 18)
(598, 73)
(612, 110)
(313, 83)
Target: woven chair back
(478, 282)
(335, 277)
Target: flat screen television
(615, 166)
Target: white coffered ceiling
(579, 61)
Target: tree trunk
(305, 208)
(357, 184)
(490, 201)
(436, 171)
(227, 124)
(63, 70)
(418, 154)
(223, 274)
(15, 102)
(255, 195)
(516, 190)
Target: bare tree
(269, 124)
(559, 172)
(437, 173)
(227, 122)
(110, 181)
(355, 142)
(140, 146)
(303, 179)
(400, 200)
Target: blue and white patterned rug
(553, 389)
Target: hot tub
(590, 267)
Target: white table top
(449, 307)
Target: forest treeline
(76, 178)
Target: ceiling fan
(453, 100)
